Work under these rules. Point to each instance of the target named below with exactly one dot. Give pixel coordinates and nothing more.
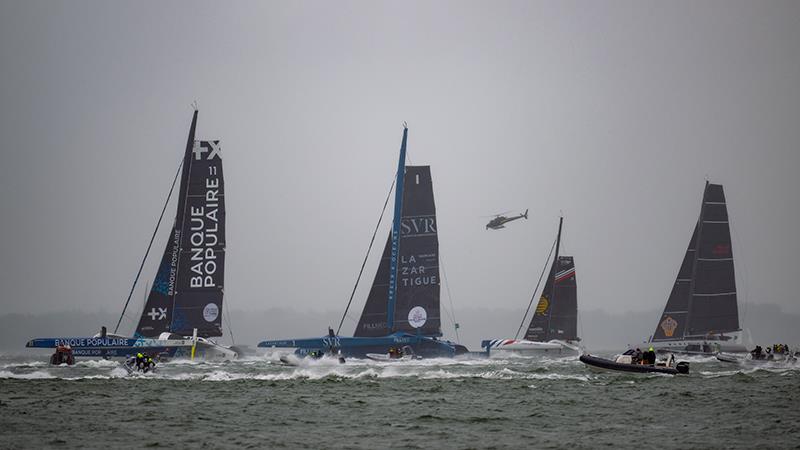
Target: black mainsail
(703, 300)
(188, 288)
(556, 314)
(417, 268)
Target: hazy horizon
(598, 329)
(611, 113)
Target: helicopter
(500, 220)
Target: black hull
(755, 362)
(608, 364)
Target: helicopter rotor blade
(500, 214)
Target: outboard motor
(682, 367)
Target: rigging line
(144, 304)
(141, 266)
(446, 311)
(446, 314)
(349, 317)
(363, 264)
(536, 289)
(228, 317)
(450, 298)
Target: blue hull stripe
(359, 346)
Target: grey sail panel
(672, 324)
(418, 266)
(713, 308)
(556, 314)
(157, 313)
(564, 315)
(201, 261)
(538, 330)
(373, 319)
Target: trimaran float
(402, 308)
(553, 329)
(184, 306)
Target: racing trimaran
(701, 315)
(184, 306)
(553, 329)
(402, 308)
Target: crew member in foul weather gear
(147, 364)
(651, 356)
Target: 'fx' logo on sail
(161, 314)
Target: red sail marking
(566, 275)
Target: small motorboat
(62, 355)
(752, 359)
(395, 355)
(141, 363)
(297, 360)
(624, 363)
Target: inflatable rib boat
(627, 366)
(749, 359)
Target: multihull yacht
(553, 329)
(183, 311)
(402, 308)
(701, 315)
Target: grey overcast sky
(613, 112)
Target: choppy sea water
(439, 403)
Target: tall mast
(398, 212)
(187, 170)
(553, 273)
(180, 218)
